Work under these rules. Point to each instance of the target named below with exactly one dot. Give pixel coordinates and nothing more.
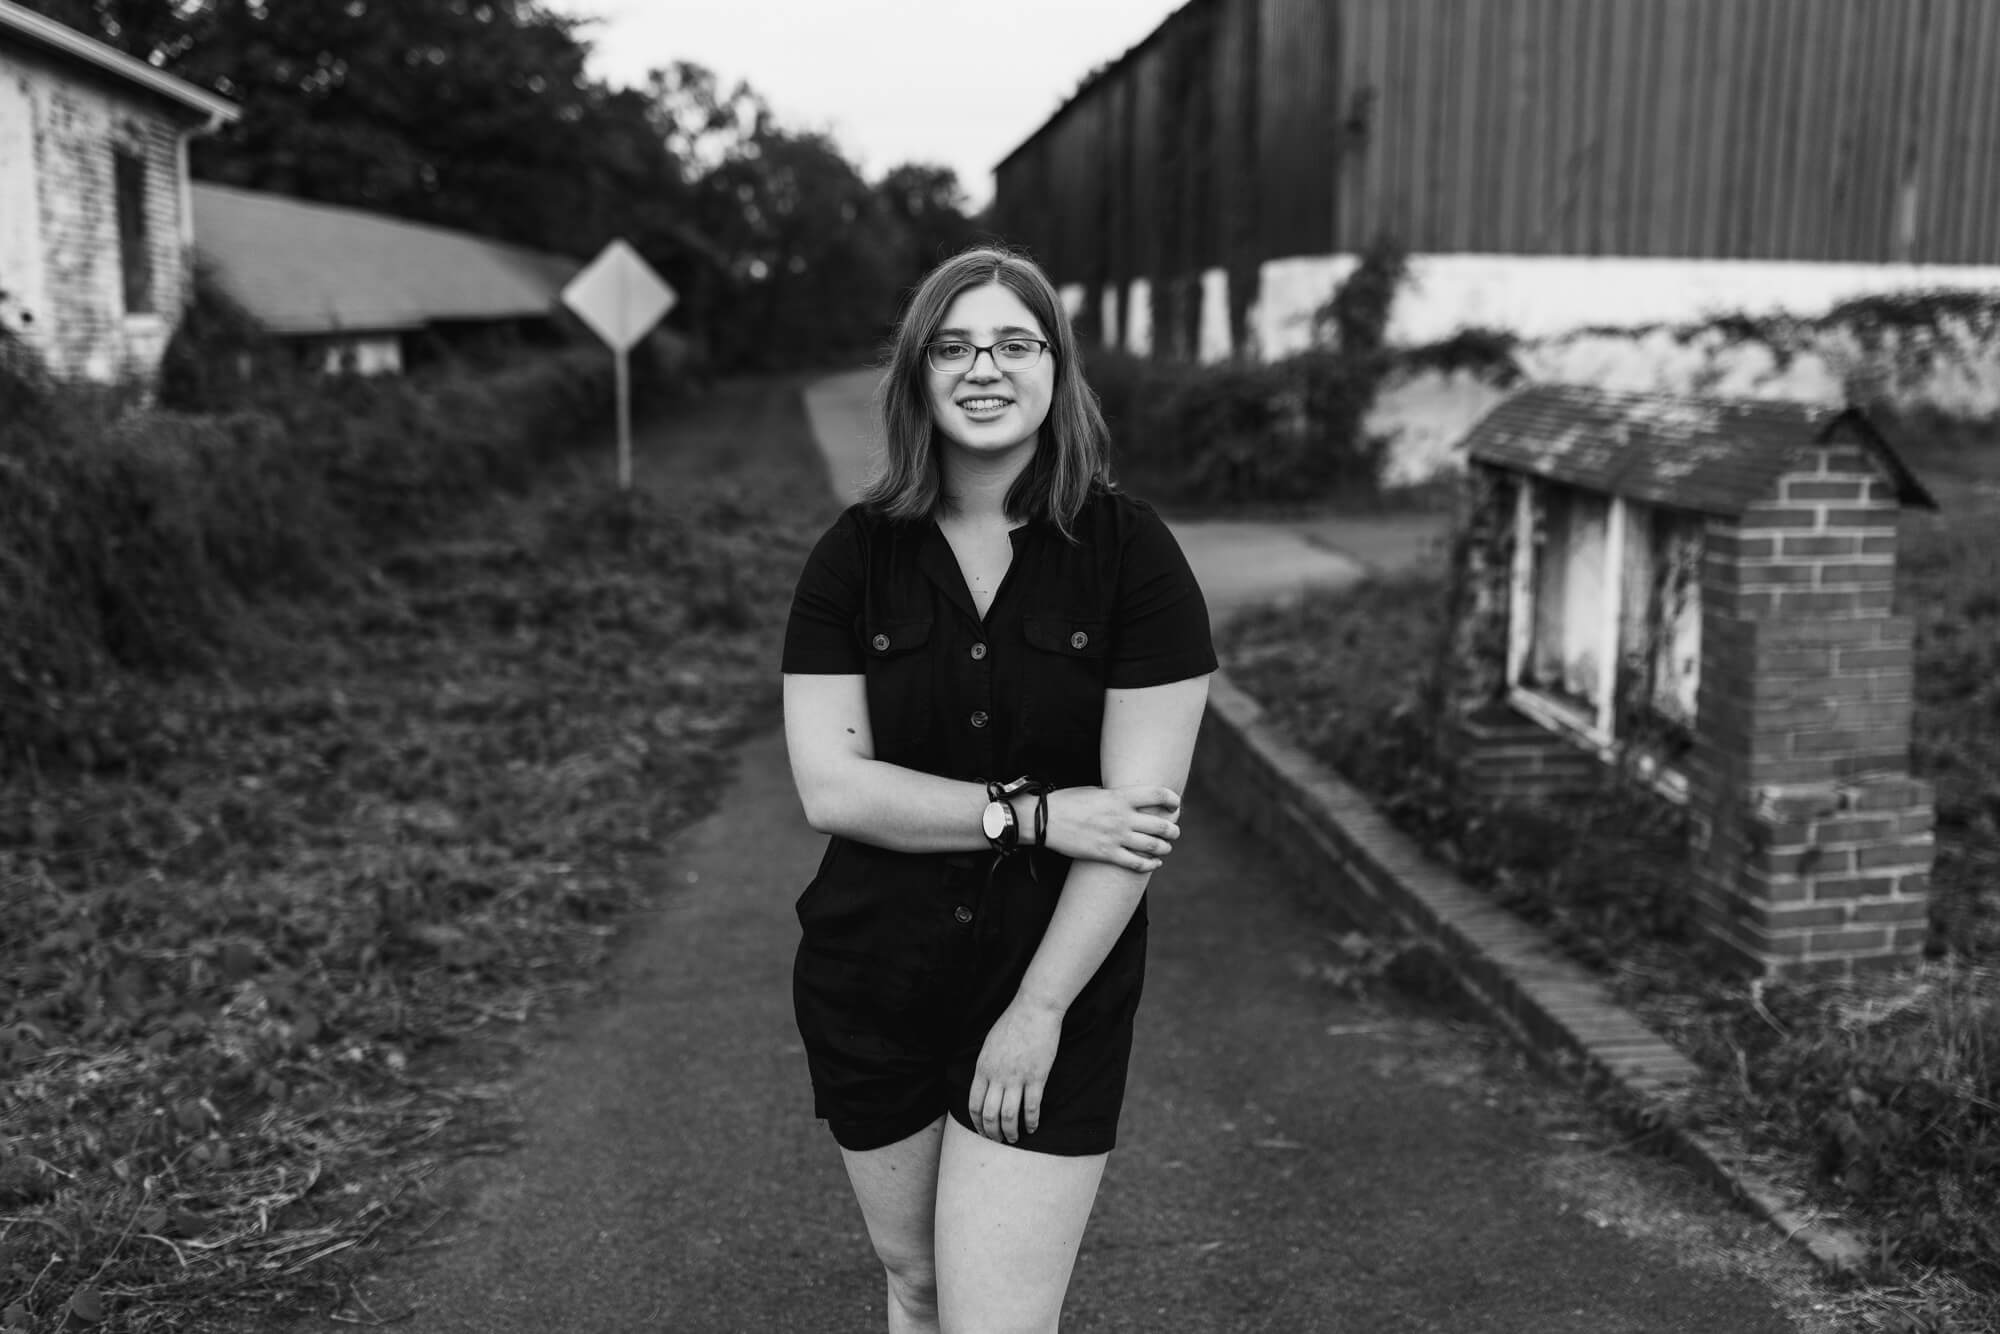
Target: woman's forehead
(987, 311)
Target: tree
(814, 254)
(475, 114)
(703, 127)
(930, 204)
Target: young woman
(994, 670)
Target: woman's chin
(994, 442)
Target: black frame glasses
(1007, 364)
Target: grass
(267, 948)
(1882, 1098)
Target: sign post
(620, 297)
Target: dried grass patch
(256, 922)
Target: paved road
(1295, 1157)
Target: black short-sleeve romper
(908, 959)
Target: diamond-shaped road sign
(619, 296)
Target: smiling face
(983, 409)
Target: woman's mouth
(984, 407)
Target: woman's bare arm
(1148, 738)
(846, 791)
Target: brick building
(1700, 592)
(96, 229)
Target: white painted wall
(1585, 321)
(1073, 296)
(362, 354)
(1536, 296)
(1215, 344)
(23, 295)
(1139, 318)
(59, 238)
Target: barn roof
(1715, 456)
(60, 39)
(1096, 77)
(307, 268)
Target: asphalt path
(1299, 1152)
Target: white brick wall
(59, 246)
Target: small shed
(94, 216)
(1701, 593)
(349, 288)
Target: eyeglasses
(954, 356)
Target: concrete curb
(1331, 835)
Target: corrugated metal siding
(1298, 78)
(1148, 143)
(1239, 149)
(1836, 130)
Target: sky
(956, 82)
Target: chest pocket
(1066, 665)
(900, 690)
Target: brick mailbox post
(1701, 593)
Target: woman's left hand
(1006, 1098)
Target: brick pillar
(1811, 842)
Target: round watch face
(995, 819)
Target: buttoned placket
(973, 651)
(973, 648)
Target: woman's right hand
(1129, 827)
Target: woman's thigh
(1008, 1225)
(897, 1188)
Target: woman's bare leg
(897, 1187)
(1008, 1226)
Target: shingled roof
(1714, 456)
(305, 268)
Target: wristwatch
(1001, 827)
(999, 823)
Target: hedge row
(1240, 432)
(129, 537)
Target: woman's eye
(953, 350)
(1012, 348)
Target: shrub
(1242, 432)
(130, 539)
(219, 356)
(1487, 354)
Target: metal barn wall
(1244, 130)
(1834, 130)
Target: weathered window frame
(129, 182)
(1648, 735)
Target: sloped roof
(1096, 77)
(1715, 456)
(305, 268)
(61, 39)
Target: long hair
(1072, 456)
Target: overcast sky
(960, 82)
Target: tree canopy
(481, 115)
